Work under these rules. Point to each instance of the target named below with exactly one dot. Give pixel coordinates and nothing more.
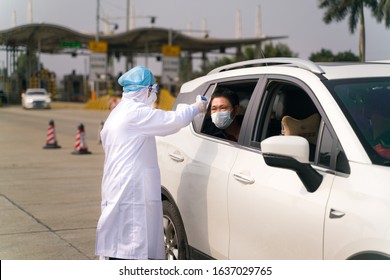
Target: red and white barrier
(51, 141)
(80, 146)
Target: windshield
(36, 93)
(366, 103)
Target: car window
(330, 152)
(198, 120)
(287, 110)
(243, 90)
(326, 147)
(36, 93)
(366, 103)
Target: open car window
(288, 110)
(244, 90)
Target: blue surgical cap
(136, 79)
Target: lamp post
(97, 20)
(95, 84)
(127, 15)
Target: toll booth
(44, 79)
(75, 88)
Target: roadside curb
(67, 105)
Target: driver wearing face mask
(224, 110)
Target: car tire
(174, 234)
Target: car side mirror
(292, 152)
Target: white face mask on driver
(222, 119)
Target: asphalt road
(49, 198)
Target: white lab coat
(130, 225)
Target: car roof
(284, 65)
(356, 70)
(36, 89)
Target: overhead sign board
(97, 65)
(170, 70)
(170, 64)
(75, 45)
(170, 50)
(98, 46)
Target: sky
(300, 20)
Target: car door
(195, 169)
(271, 214)
(196, 173)
(203, 184)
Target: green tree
(248, 53)
(346, 56)
(383, 12)
(338, 10)
(279, 50)
(324, 56)
(327, 56)
(27, 64)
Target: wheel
(174, 234)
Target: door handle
(176, 156)
(243, 178)
(335, 214)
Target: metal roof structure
(55, 39)
(146, 41)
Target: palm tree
(339, 9)
(383, 11)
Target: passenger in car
(224, 115)
(378, 112)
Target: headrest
(307, 128)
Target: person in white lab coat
(131, 225)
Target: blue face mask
(222, 119)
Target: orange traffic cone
(80, 147)
(51, 141)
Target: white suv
(320, 191)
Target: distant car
(3, 97)
(307, 178)
(36, 98)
